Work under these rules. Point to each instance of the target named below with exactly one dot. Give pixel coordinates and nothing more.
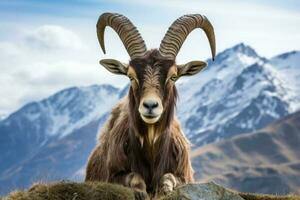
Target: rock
(202, 191)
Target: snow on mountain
(287, 60)
(40, 126)
(226, 64)
(68, 110)
(288, 66)
(238, 93)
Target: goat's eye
(133, 81)
(131, 78)
(173, 78)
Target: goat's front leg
(167, 183)
(137, 183)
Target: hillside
(265, 161)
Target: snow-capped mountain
(34, 130)
(239, 92)
(287, 65)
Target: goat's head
(153, 73)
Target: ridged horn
(127, 32)
(180, 29)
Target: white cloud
(53, 37)
(41, 62)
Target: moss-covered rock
(105, 191)
(207, 191)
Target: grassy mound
(73, 191)
(103, 191)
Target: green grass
(104, 191)
(74, 191)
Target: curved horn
(180, 29)
(127, 32)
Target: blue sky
(48, 45)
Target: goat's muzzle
(150, 109)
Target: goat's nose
(150, 104)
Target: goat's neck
(153, 132)
(149, 141)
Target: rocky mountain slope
(238, 93)
(265, 161)
(50, 139)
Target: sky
(49, 45)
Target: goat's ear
(114, 66)
(190, 68)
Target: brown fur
(125, 146)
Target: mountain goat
(142, 145)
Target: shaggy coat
(128, 145)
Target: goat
(142, 145)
